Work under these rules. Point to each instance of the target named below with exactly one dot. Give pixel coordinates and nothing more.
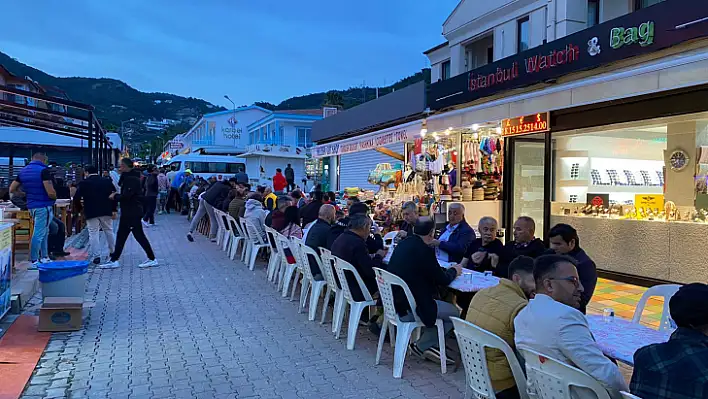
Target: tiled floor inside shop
(623, 298)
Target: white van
(206, 166)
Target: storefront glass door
(527, 191)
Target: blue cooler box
(65, 278)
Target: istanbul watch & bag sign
(650, 29)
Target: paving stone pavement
(203, 326)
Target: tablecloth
(620, 338)
(478, 281)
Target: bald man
(318, 233)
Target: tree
(265, 104)
(334, 98)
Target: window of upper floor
(639, 4)
(593, 12)
(445, 70)
(304, 137)
(479, 53)
(523, 34)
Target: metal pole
(90, 137)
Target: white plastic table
(478, 282)
(620, 338)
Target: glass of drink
(467, 277)
(608, 314)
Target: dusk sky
(252, 50)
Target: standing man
(564, 241)
(216, 194)
(36, 181)
(174, 197)
(279, 182)
(151, 190)
(290, 177)
(97, 209)
(163, 187)
(131, 208)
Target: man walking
(131, 208)
(98, 210)
(36, 181)
(290, 177)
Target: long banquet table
(620, 338)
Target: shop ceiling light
(499, 130)
(475, 127)
(423, 131)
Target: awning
(369, 141)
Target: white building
(481, 32)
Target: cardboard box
(61, 314)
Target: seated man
(494, 310)
(525, 243)
(318, 234)
(487, 252)
(414, 261)
(678, 368)
(552, 325)
(276, 219)
(409, 211)
(564, 241)
(452, 244)
(351, 247)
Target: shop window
(281, 135)
(303, 137)
(445, 70)
(523, 33)
(639, 4)
(593, 12)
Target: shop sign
(647, 30)
(275, 148)
(365, 143)
(601, 200)
(650, 201)
(5, 269)
(525, 124)
(642, 34)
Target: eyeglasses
(572, 279)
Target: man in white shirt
(551, 324)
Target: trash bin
(63, 278)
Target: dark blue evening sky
(252, 50)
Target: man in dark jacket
(214, 195)
(453, 242)
(564, 241)
(374, 241)
(310, 212)
(151, 189)
(131, 212)
(487, 253)
(350, 246)
(237, 206)
(290, 177)
(318, 234)
(276, 219)
(525, 243)
(98, 210)
(414, 261)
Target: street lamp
(122, 140)
(233, 133)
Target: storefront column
(680, 186)
(333, 173)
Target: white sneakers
(115, 264)
(110, 265)
(148, 263)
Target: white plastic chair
(290, 271)
(665, 291)
(236, 236)
(275, 255)
(226, 237)
(255, 245)
(388, 239)
(627, 395)
(316, 285)
(304, 269)
(552, 379)
(403, 329)
(473, 341)
(332, 287)
(306, 230)
(221, 229)
(355, 307)
(247, 243)
(238, 226)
